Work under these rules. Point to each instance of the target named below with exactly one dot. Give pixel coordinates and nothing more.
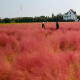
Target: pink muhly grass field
(28, 52)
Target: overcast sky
(26, 8)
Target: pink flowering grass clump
(28, 52)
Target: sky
(32, 8)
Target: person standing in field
(57, 25)
(43, 25)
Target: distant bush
(59, 17)
(6, 20)
(0, 20)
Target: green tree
(6, 20)
(0, 20)
(52, 15)
(59, 17)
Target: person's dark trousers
(43, 26)
(57, 25)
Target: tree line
(53, 18)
